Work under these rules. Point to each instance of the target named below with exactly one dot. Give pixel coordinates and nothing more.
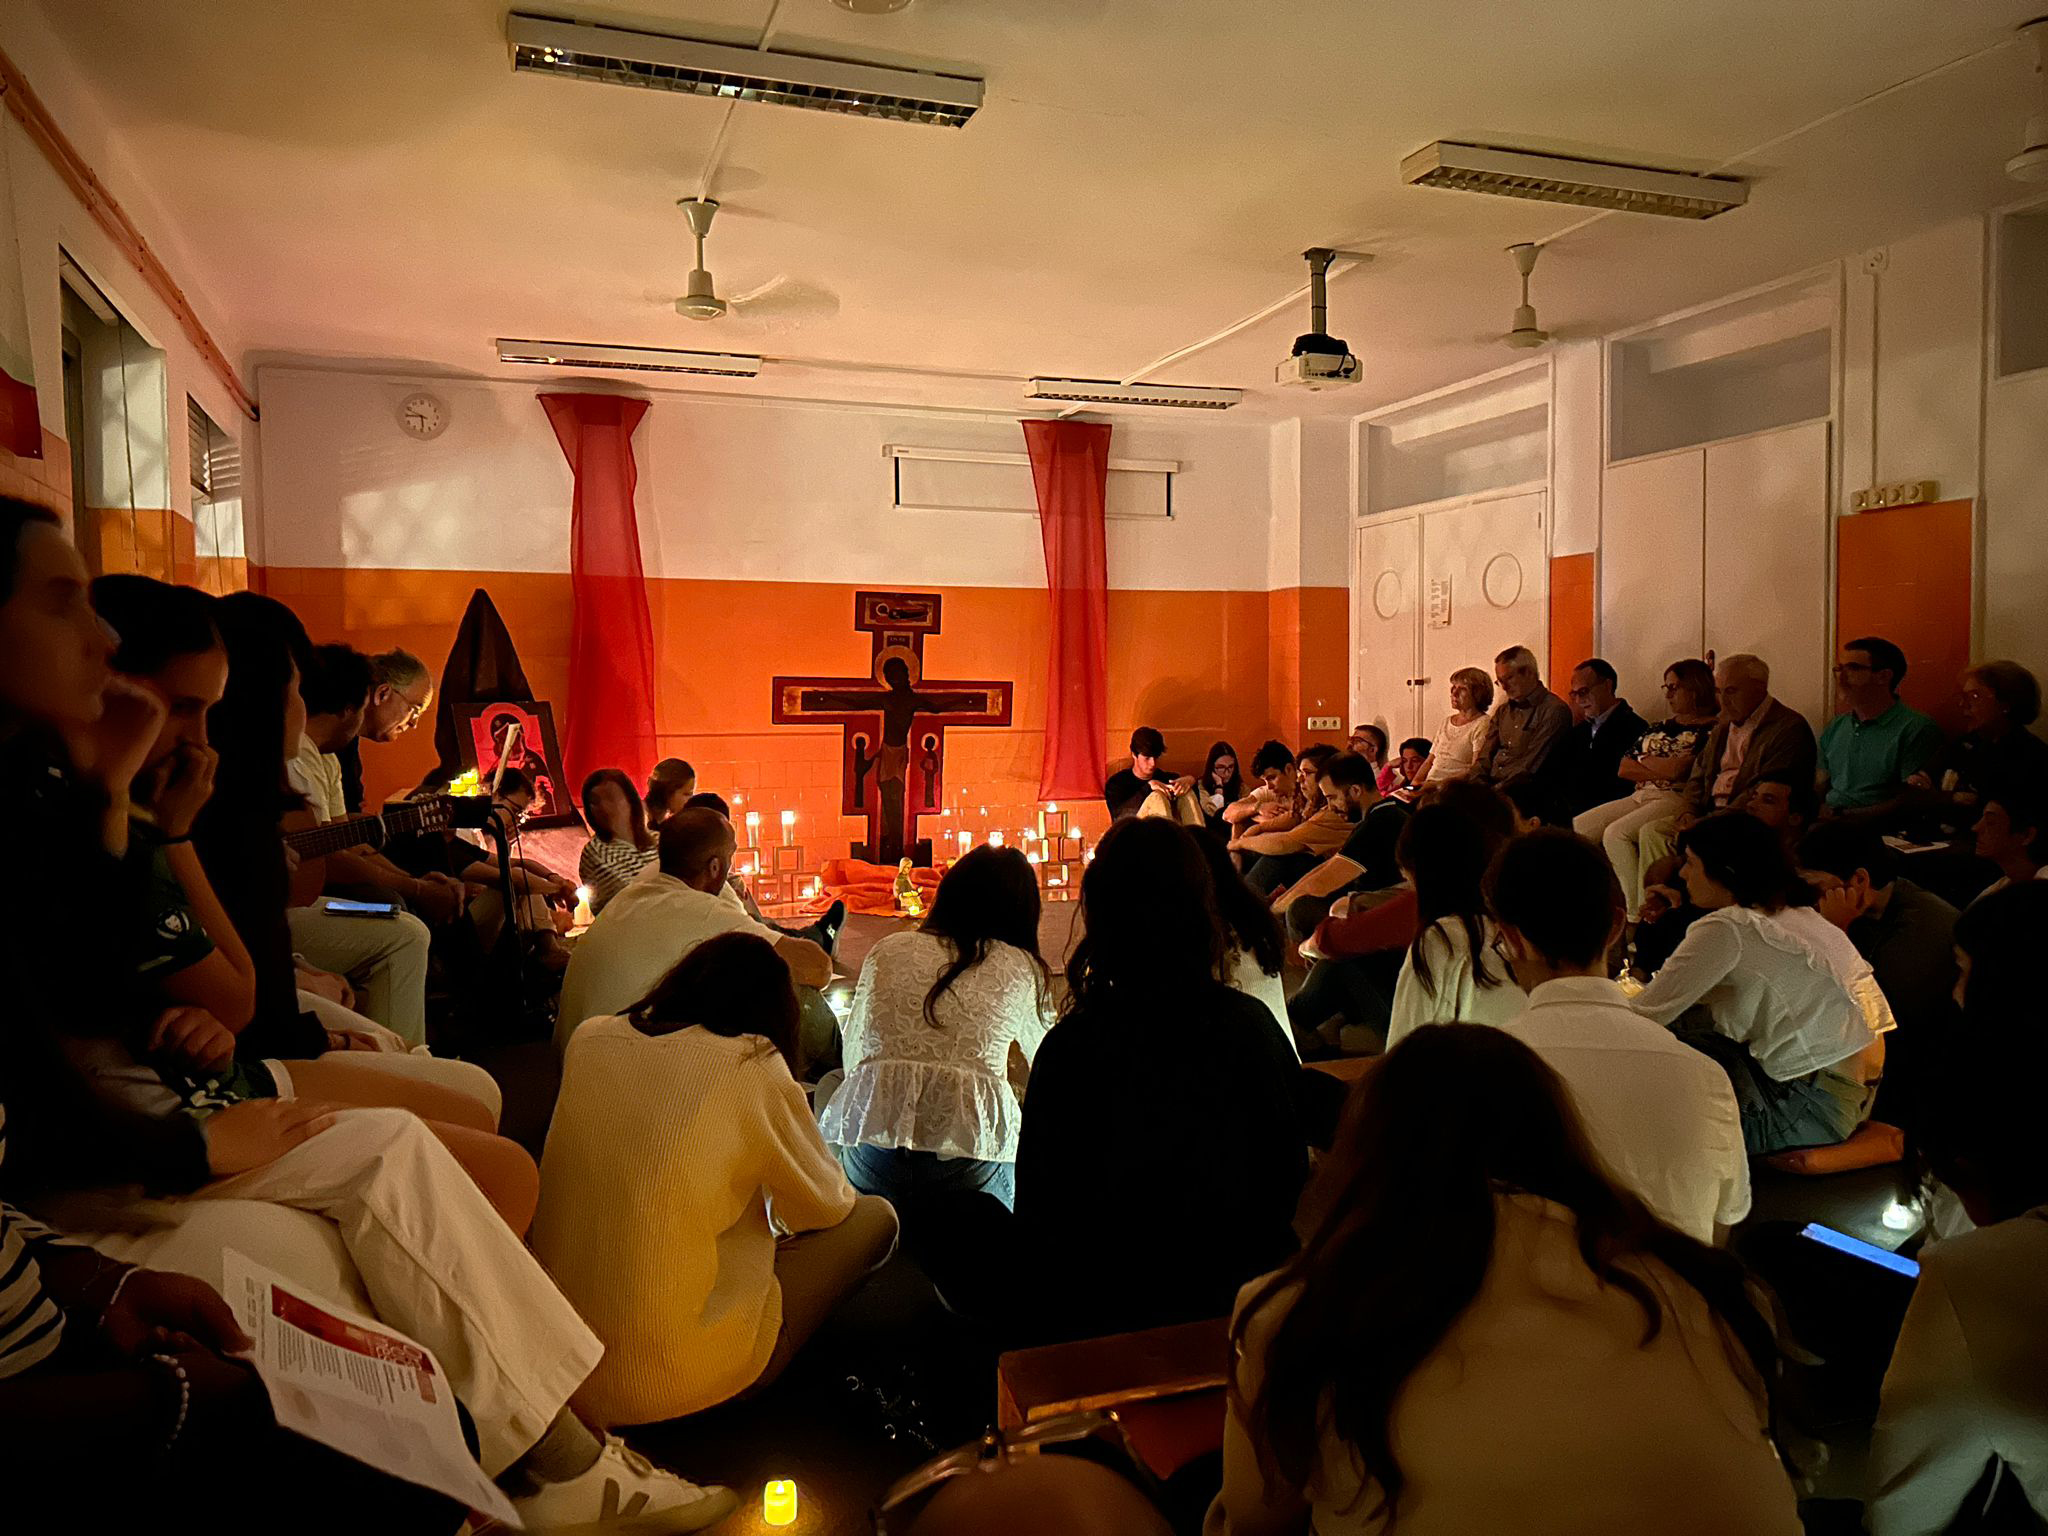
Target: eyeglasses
(1670, 688)
(1582, 693)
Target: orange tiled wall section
(1904, 573)
(45, 481)
(1572, 597)
(1195, 664)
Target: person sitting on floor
(1255, 951)
(945, 1023)
(1358, 951)
(1658, 767)
(1483, 1333)
(1793, 1014)
(680, 1147)
(2012, 836)
(1907, 935)
(73, 737)
(1453, 971)
(1365, 860)
(1454, 754)
(1220, 787)
(1409, 767)
(1660, 1115)
(1371, 742)
(1163, 1145)
(620, 845)
(1270, 805)
(401, 693)
(1607, 733)
(1522, 738)
(669, 787)
(823, 932)
(1275, 859)
(1961, 1441)
(660, 918)
(1145, 789)
(1873, 749)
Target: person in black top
(1128, 789)
(1908, 936)
(1220, 786)
(1163, 1146)
(1366, 861)
(1608, 731)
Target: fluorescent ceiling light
(663, 63)
(1106, 392)
(579, 354)
(1582, 183)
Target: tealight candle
(584, 916)
(995, 839)
(1031, 858)
(778, 1503)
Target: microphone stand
(495, 826)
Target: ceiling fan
(780, 298)
(1525, 333)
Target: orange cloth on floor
(871, 888)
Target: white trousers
(384, 959)
(1617, 825)
(462, 1076)
(438, 1263)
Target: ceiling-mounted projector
(1319, 360)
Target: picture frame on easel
(486, 728)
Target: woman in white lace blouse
(944, 1021)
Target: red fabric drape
(610, 708)
(1069, 469)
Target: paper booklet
(357, 1387)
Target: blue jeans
(1821, 1109)
(899, 1174)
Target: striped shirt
(31, 1322)
(608, 866)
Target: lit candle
(984, 810)
(789, 826)
(817, 885)
(966, 841)
(753, 826)
(1088, 856)
(584, 916)
(995, 839)
(1031, 858)
(778, 1503)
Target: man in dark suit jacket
(1758, 738)
(1608, 730)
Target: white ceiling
(368, 178)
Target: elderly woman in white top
(1796, 1017)
(1452, 974)
(1455, 752)
(945, 1022)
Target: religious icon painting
(520, 735)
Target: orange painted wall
(1306, 670)
(1195, 664)
(1905, 573)
(45, 481)
(1573, 594)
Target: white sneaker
(624, 1492)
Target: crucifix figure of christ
(892, 722)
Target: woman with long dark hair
(620, 845)
(1452, 973)
(679, 1133)
(944, 1027)
(1220, 786)
(1483, 1333)
(1163, 1142)
(1798, 1018)
(1254, 949)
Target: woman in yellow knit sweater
(681, 1156)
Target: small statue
(909, 899)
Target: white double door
(1438, 590)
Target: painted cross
(893, 722)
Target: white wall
(48, 216)
(728, 489)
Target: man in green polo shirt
(1869, 750)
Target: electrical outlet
(1326, 722)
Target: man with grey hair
(1757, 738)
(401, 692)
(1521, 740)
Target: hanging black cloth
(482, 668)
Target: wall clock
(422, 416)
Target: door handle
(1417, 682)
